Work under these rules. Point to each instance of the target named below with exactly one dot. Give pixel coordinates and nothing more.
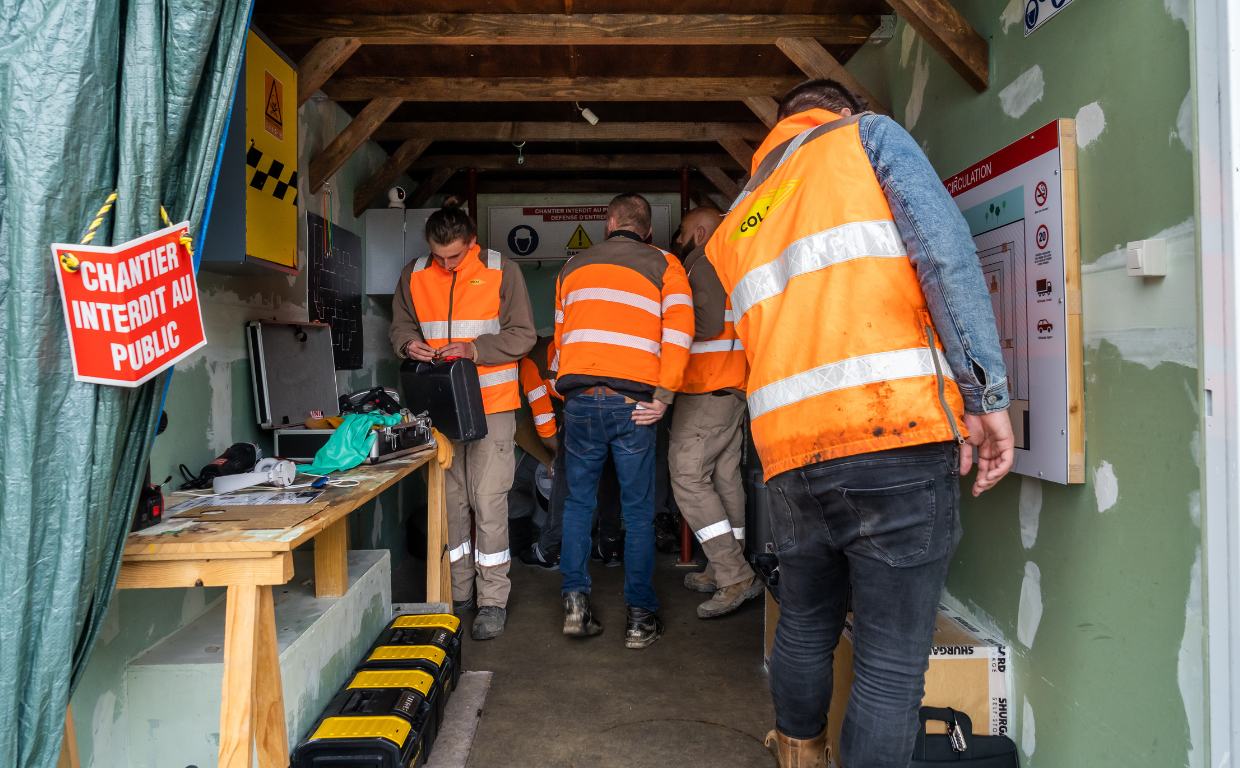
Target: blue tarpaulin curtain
(95, 95)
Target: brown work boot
(798, 753)
(700, 581)
(728, 599)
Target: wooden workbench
(249, 561)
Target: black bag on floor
(450, 393)
(959, 746)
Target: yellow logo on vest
(761, 208)
(477, 281)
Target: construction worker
(707, 431)
(462, 301)
(623, 327)
(538, 385)
(873, 356)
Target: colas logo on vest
(761, 208)
(477, 281)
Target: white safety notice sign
(1038, 12)
(530, 233)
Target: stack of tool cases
(390, 711)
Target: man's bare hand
(992, 435)
(552, 444)
(419, 350)
(463, 349)
(649, 413)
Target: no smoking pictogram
(1040, 193)
(1044, 236)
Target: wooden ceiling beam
(598, 163)
(429, 186)
(817, 62)
(577, 130)
(765, 108)
(561, 29)
(387, 174)
(721, 181)
(321, 63)
(941, 25)
(336, 154)
(587, 185)
(740, 151)
(454, 89)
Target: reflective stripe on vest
(846, 359)
(718, 363)
(592, 336)
(460, 307)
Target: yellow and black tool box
(380, 719)
(441, 630)
(424, 658)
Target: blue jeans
(595, 424)
(884, 525)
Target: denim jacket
(941, 248)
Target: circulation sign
(1038, 12)
(132, 309)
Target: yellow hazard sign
(273, 112)
(580, 240)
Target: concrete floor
(697, 697)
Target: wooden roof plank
(556, 88)
(577, 130)
(334, 155)
(818, 63)
(765, 108)
(321, 62)
(739, 149)
(721, 181)
(941, 25)
(388, 173)
(429, 187)
(560, 162)
(561, 29)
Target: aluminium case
(293, 371)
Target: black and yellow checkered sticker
(258, 177)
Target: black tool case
(439, 630)
(450, 393)
(398, 655)
(381, 719)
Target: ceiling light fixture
(520, 154)
(587, 114)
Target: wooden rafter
(388, 173)
(334, 156)
(321, 63)
(560, 29)
(578, 130)
(817, 62)
(429, 187)
(556, 88)
(721, 181)
(599, 163)
(940, 24)
(740, 151)
(765, 107)
(585, 185)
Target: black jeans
(885, 525)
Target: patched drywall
(1097, 587)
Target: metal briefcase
(450, 393)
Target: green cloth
(95, 96)
(350, 444)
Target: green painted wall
(1097, 587)
(210, 406)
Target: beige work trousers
(704, 457)
(479, 480)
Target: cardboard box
(968, 672)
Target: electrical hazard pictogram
(579, 240)
(273, 112)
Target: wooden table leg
(237, 699)
(269, 689)
(331, 560)
(68, 744)
(438, 568)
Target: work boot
(537, 557)
(579, 618)
(728, 599)
(699, 581)
(489, 623)
(798, 753)
(644, 627)
(459, 607)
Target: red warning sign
(132, 309)
(1040, 193)
(1044, 236)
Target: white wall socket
(1147, 258)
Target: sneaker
(537, 557)
(579, 618)
(728, 599)
(644, 627)
(611, 556)
(461, 606)
(698, 581)
(489, 623)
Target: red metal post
(686, 544)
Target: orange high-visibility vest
(461, 306)
(538, 386)
(717, 363)
(843, 356)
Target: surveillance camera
(396, 197)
